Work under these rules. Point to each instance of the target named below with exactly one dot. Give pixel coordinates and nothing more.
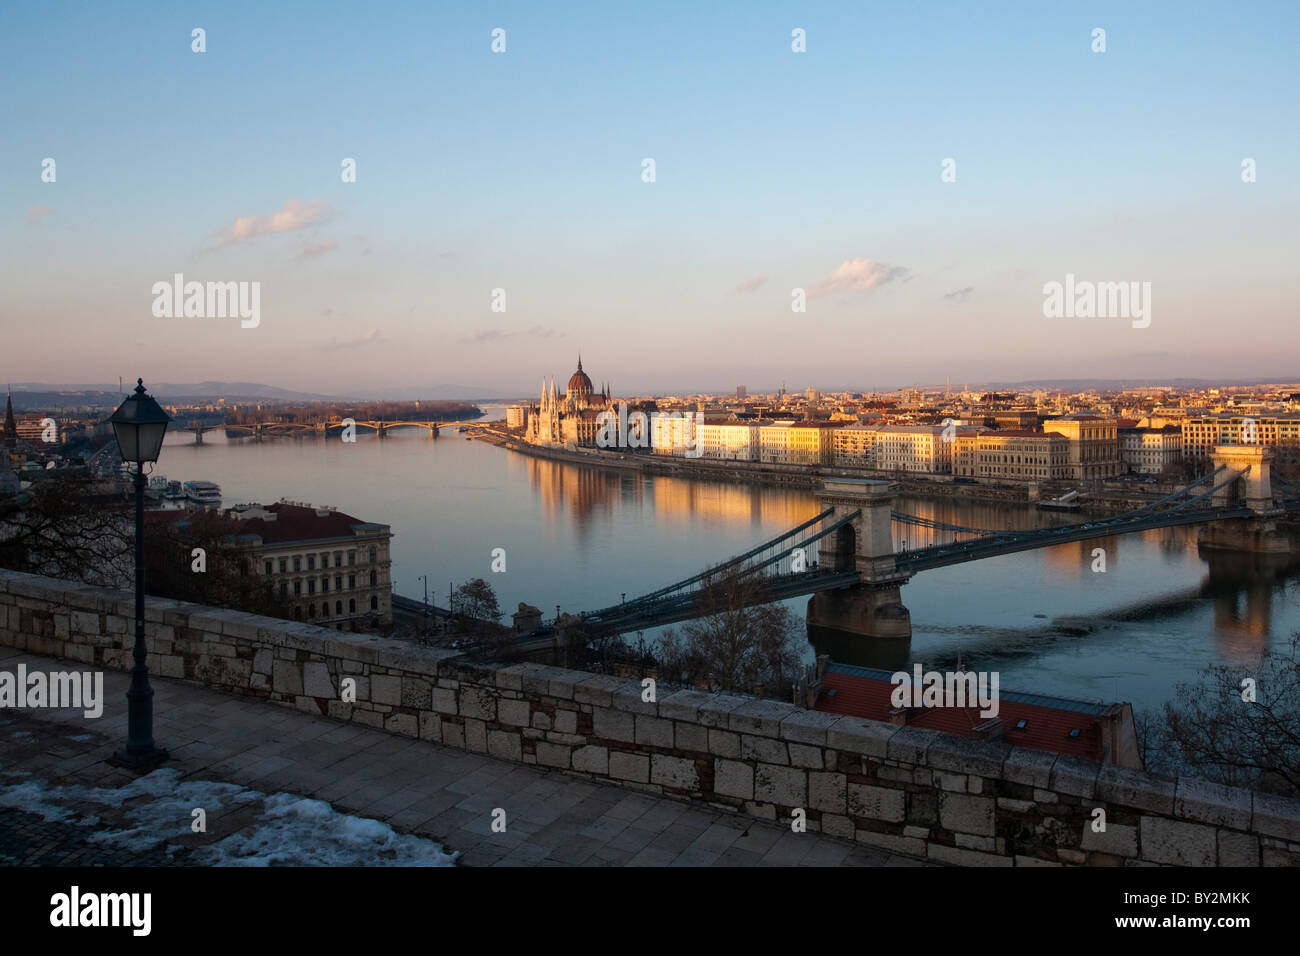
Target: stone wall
(909, 790)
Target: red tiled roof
(292, 523)
(863, 692)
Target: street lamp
(139, 425)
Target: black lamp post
(139, 425)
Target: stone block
(783, 786)
(966, 813)
(477, 702)
(1117, 839)
(857, 736)
(515, 712)
(676, 772)
(625, 766)
(430, 726)
(690, 737)
(1276, 816)
(760, 717)
(316, 681)
(801, 755)
(1178, 844)
(1207, 802)
(505, 745)
(654, 731)
(763, 749)
(723, 743)
(386, 689)
(610, 724)
(591, 759)
(1075, 777)
(827, 792)
(733, 779)
(286, 678)
(475, 735)
(876, 803)
(808, 727)
(683, 705)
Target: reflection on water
(579, 537)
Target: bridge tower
(1253, 489)
(873, 607)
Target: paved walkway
(418, 788)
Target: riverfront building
(1150, 451)
(568, 420)
(332, 569)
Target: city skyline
(522, 171)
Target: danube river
(579, 537)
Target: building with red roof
(331, 568)
(1091, 730)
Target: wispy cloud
(960, 293)
(292, 216)
(749, 285)
(38, 212)
(858, 275)
(487, 335)
(496, 335)
(313, 249)
(371, 336)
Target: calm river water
(580, 537)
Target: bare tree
(740, 641)
(228, 578)
(69, 527)
(1213, 729)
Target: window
(284, 565)
(311, 562)
(297, 564)
(374, 602)
(374, 579)
(297, 588)
(352, 605)
(352, 581)
(311, 585)
(324, 559)
(338, 559)
(338, 607)
(311, 610)
(352, 557)
(338, 582)
(324, 610)
(269, 566)
(284, 589)
(372, 555)
(297, 614)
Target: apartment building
(854, 446)
(797, 443)
(729, 441)
(1280, 431)
(913, 448)
(1012, 454)
(332, 569)
(1094, 445)
(1149, 451)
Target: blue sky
(522, 171)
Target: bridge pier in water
(873, 607)
(1254, 490)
